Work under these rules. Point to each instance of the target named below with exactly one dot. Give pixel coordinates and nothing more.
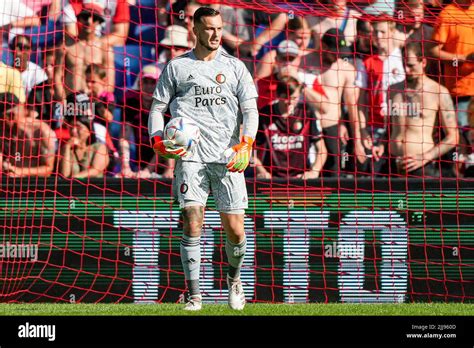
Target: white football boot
(236, 294)
(194, 303)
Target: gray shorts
(193, 182)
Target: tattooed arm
(449, 124)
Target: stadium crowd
(343, 92)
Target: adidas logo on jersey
(190, 77)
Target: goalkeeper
(215, 90)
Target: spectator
(379, 71)
(28, 145)
(298, 33)
(454, 45)
(175, 43)
(237, 22)
(102, 100)
(273, 25)
(189, 10)
(412, 148)
(40, 98)
(78, 105)
(338, 16)
(31, 73)
(288, 129)
(235, 31)
(286, 63)
(10, 78)
(286, 55)
(337, 78)
(113, 29)
(137, 110)
(469, 158)
(89, 49)
(411, 27)
(364, 48)
(83, 156)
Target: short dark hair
(96, 70)
(14, 41)
(287, 86)
(204, 11)
(361, 25)
(414, 46)
(7, 101)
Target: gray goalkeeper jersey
(209, 92)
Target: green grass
(250, 309)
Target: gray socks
(235, 256)
(191, 260)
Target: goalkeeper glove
(162, 148)
(241, 158)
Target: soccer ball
(181, 132)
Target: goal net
(359, 187)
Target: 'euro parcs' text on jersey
(208, 92)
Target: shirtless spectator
(288, 129)
(28, 145)
(336, 15)
(113, 30)
(71, 62)
(454, 45)
(413, 112)
(337, 78)
(379, 71)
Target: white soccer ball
(181, 132)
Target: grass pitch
(48, 309)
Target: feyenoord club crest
(220, 78)
(297, 126)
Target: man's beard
(411, 79)
(367, 50)
(206, 45)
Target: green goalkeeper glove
(241, 158)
